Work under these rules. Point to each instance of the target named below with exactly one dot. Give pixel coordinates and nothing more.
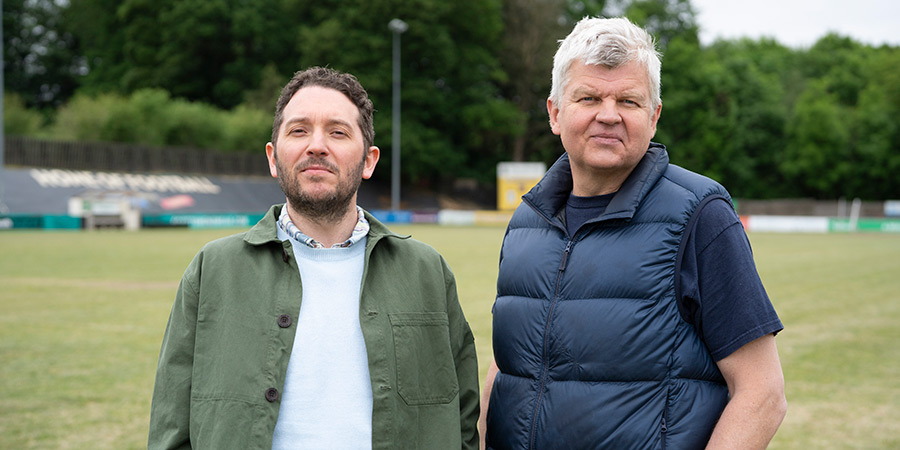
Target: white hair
(610, 43)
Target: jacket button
(271, 394)
(284, 256)
(284, 321)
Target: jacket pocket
(426, 372)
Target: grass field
(83, 315)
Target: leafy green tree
(876, 168)
(246, 129)
(19, 120)
(697, 113)
(454, 121)
(210, 51)
(755, 139)
(84, 117)
(265, 95)
(875, 131)
(575, 10)
(817, 158)
(216, 49)
(765, 120)
(153, 117)
(101, 43)
(842, 62)
(844, 131)
(664, 19)
(39, 59)
(528, 46)
(226, 52)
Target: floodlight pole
(397, 26)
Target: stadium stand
(58, 198)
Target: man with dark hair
(318, 327)
(629, 313)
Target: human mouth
(607, 138)
(317, 168)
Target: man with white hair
(629, 312)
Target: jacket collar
(549, 196)
(265, 230)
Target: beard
(325, 206)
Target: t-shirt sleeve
(721, 292)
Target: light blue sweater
(327, 396)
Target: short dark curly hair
(344, 83)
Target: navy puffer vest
(592, 350)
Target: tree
(875, 131)
(19, 120)
(225, 52)
(698, 112)
(532, 30)
(844, 131)
(40, 63)
(528, 47)
(454, 121)
(765, 120)
(664, 19)
(877, 164)
(210, 51)
(101, 43)
(725, 111)
(817, 159)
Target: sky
(800, 23)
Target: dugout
(107, 209)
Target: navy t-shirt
(719, 289)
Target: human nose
(607, 112)
(317, 143)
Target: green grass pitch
(82, 316)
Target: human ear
(372, 155)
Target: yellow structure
(515, 179)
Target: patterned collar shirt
(359, 231)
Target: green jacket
(229, 337)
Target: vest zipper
(544, 359)
(663, 429)
(562, 265)
(664, 426)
